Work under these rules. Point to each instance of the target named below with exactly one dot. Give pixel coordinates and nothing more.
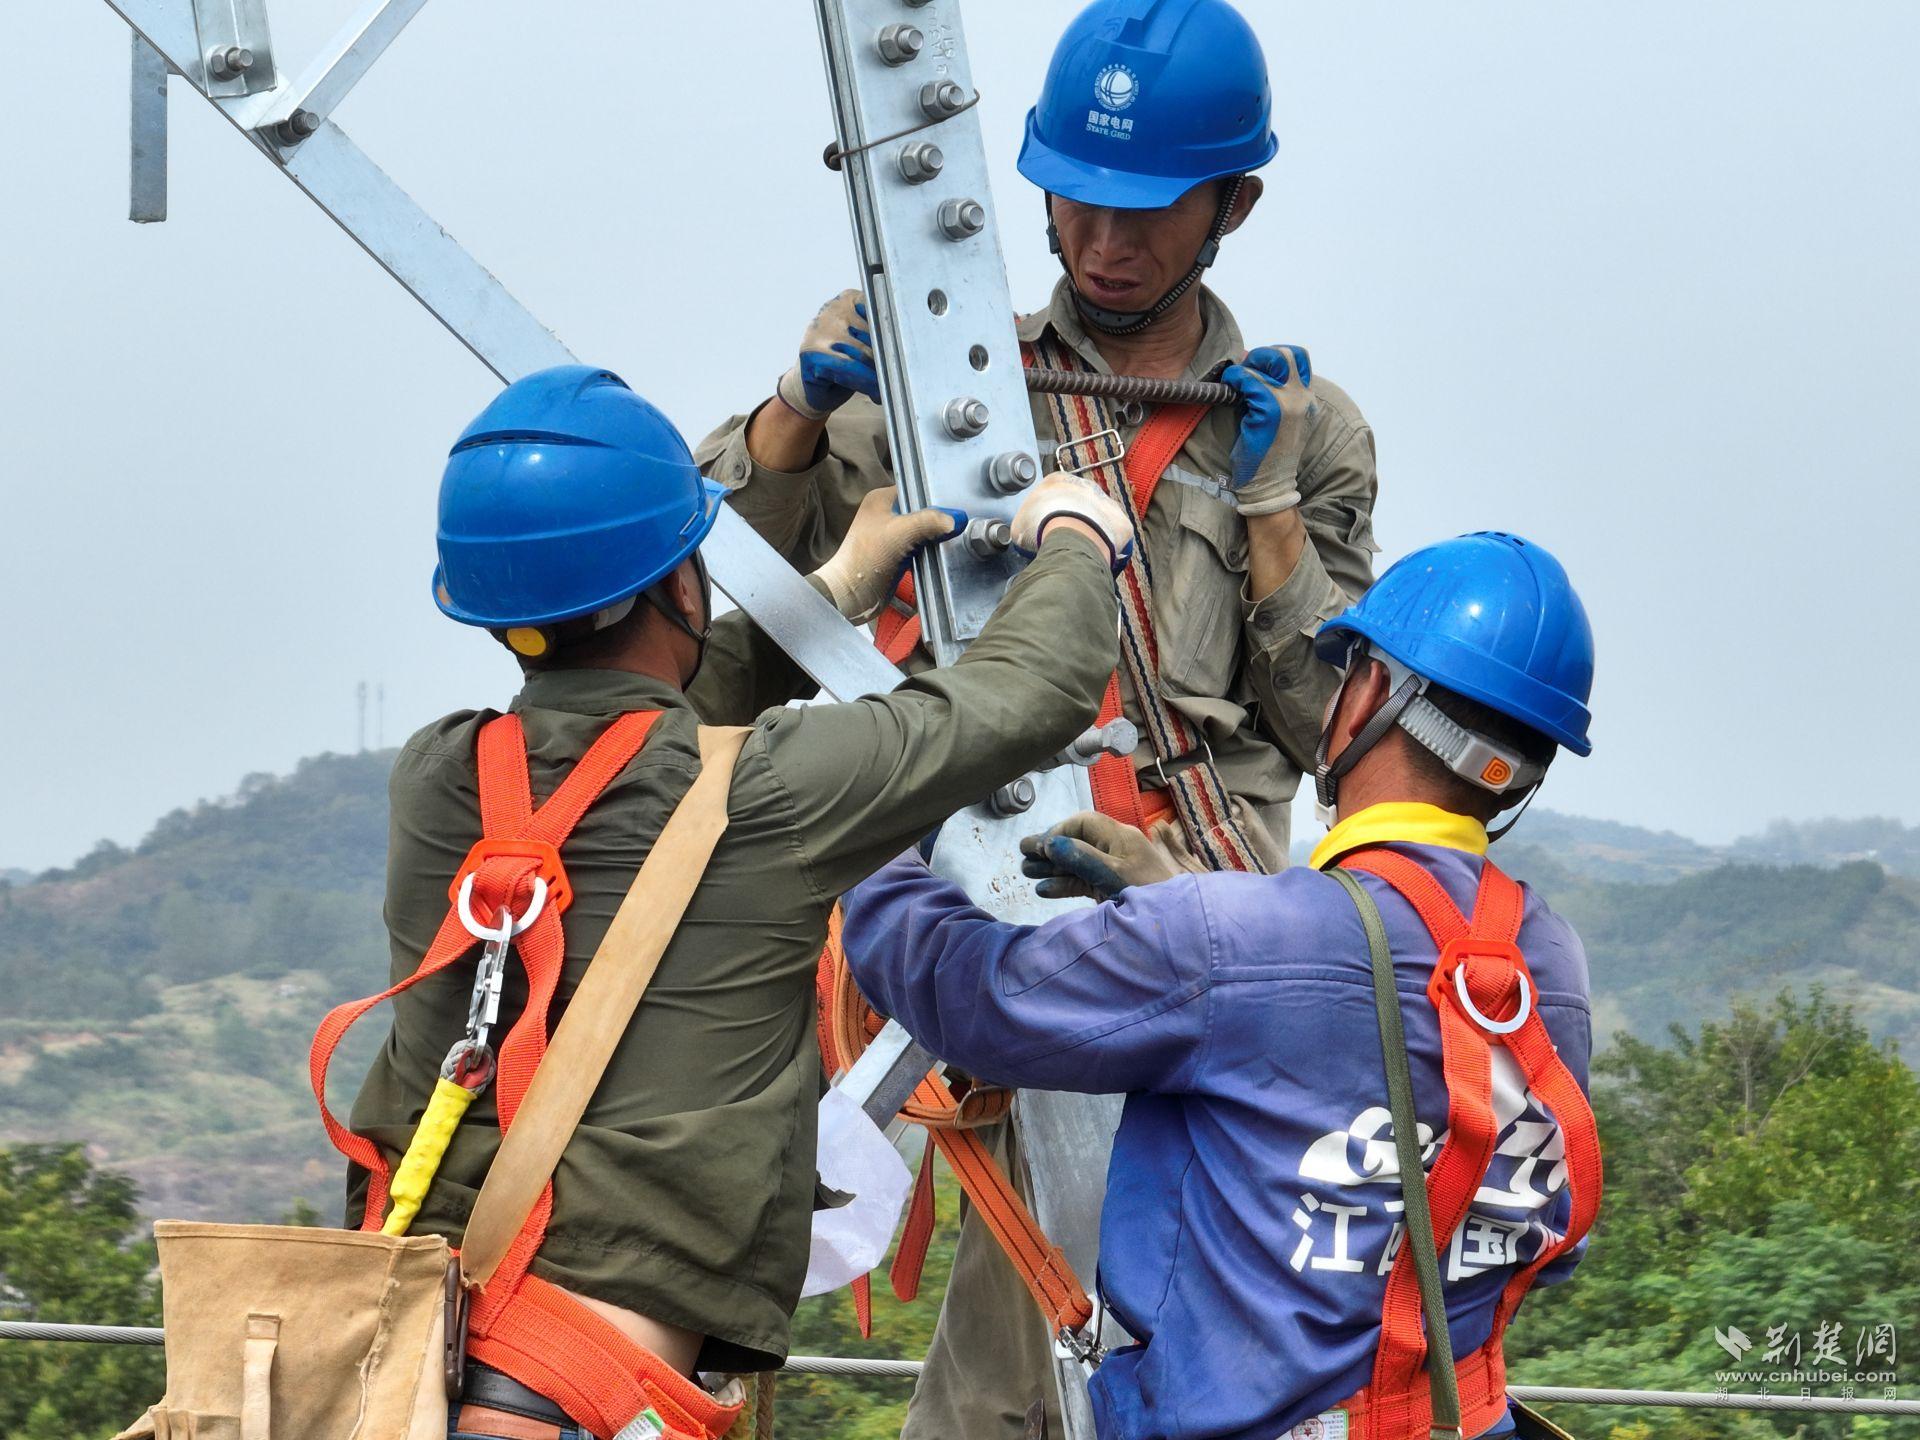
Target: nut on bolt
(940, 99)
(986, 538)
(965, 417)
(900, 43)
(296, 127)
(962, 219)
(227, 62)
(1012, 472)
(921, 161)
(1014, 798)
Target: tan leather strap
(601, 1008)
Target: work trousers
(989, 1372)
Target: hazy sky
(1637, 280)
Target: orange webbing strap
(897, 629)
(548, 1340)
(1396, 1397)
(506, 808)
(951, 1121)
(1041, 1264)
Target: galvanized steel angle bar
(938, 297)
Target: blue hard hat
(1490, 616)
(1146, 99)
(568, 494)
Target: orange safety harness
(518, 1323)
(1480, 973)
(950, 1114)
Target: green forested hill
(159, 1000)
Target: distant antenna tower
(380, 716)
(360, 705)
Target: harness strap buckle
(1450, 981)
(547, 857)
(1062, 453)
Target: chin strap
(1132, 322)
(1471, 756)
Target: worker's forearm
(1274, 544)
(781, 438)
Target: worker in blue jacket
(1252, 1232)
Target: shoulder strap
(1418, 1227)
(602, 1007)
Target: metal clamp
(1060, 451)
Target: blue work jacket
(1252, 1205)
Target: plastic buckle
(559, 891)
(1450, 974)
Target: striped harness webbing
(1090, 445)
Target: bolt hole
(977, 357)
(937, 301)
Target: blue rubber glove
(836, 360)
(1277, 405)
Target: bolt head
(941, 98)
(921, 161)
(1013, 798)
(899, 44)
(962, 219)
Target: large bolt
(1117, 737)
(229, 62)
(296, 127)
(940, 99)
(900, 43)
(962, 219)
(1012, 472)
(987, 539)
(921, 161)
(965, 417)
(1014, 798)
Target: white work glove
(863, 572)
(836, 360)
(1061, 494)
(1277, 405)
(1094, 855)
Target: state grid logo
(1116, 87)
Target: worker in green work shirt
(570, 519)
(1153, 115)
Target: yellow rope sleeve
(424, 1153)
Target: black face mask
(657, 597)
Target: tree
(70, 1252)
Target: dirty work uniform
(1243, 672)
(686, 1192)
(1253, 1198)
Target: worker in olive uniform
(1153, 115)
(570, 519)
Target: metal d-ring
(508, 927)
(1492, 1027)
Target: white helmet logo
(1116, 87)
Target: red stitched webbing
(1396, 1400)
(917, 1234)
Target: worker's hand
(865, 569)
(1277, 405)
(836, 360)
(1061, 495)
(1091, 854)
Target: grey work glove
(866, 568)
(1277, 405)
(1061, 494)
(1094, 855)
(836, 360)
